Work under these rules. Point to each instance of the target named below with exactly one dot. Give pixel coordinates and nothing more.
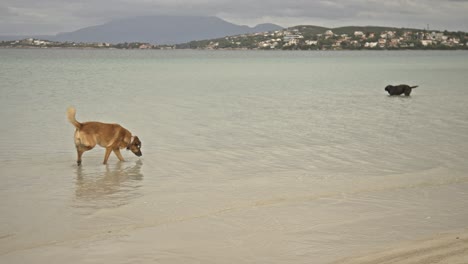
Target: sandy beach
(248, 221)
(446, 248)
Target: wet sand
(447, 248)
(228, 220)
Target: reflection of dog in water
(119, 180)
(113, 137)
(399, 89)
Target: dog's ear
(130, 143)
(137, 141)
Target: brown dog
(113, 137)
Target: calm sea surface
(248, 156)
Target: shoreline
(231, 49)
(447, 247)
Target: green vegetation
(342, 38)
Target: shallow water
(248, 156)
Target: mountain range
(156, 30)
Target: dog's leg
(106, 156)
(117, 153)
(80, 152)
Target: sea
(248, 156)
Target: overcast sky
(18, 17)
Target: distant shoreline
(230, 49)
(295, 38)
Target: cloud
(6, 12)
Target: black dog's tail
(412, 87)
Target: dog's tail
(412, 87)
(71, 117)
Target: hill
(366, 29)
(161, 30)
(306, 37)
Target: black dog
(399, 89)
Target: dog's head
(388, 87)
(135, 146)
